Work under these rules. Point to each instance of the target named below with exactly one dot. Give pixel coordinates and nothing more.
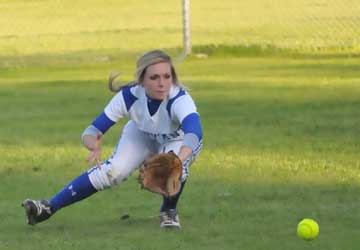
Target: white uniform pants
(133, 148)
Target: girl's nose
(161, 81)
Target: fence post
(186, 27)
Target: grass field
(281, 132)
(282, 143)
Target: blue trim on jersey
(103, 123)
(153, 105)
(172, 100)
(192, 124)
(129, 98)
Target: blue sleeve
(191, 124)
(103, 123)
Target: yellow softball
(308, 229)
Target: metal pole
(186, 27)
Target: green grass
(279, 107)
(281, 144)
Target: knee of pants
(107, 175)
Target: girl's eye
(167, 76)
(154, 77)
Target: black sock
(170, 203)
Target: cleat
(169, 219)
(36, 211)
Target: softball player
(162, 117)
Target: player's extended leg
(169, 217)
(79, 189)
(132, 149)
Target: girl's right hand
(95, 149)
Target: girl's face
(158, 80)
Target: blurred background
(96, 30)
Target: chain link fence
(38, 27)
(295, 24)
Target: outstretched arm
(184, 153)
(116, 109)
(94, 145)
(183, 109)
(92, 137)
(193, 135)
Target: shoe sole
(169, 226)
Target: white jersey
(145, 134)
(132, 102)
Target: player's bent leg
(171, 202)
(169, 217)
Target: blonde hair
(146, 60)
